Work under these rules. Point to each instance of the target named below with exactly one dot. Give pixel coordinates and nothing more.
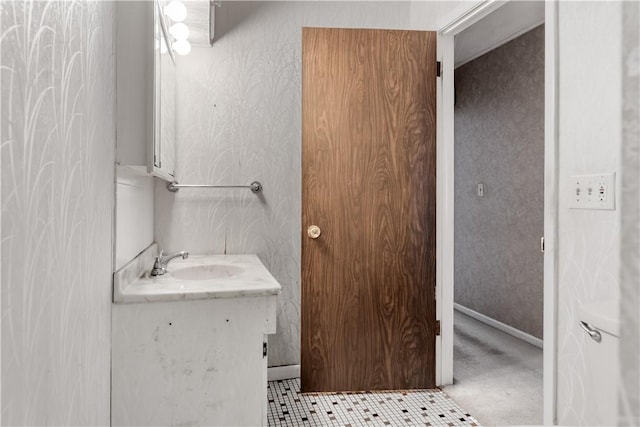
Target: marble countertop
(233, 276)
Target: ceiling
(508, 22)
(505, 24)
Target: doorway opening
(499, 165)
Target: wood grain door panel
(368, 166)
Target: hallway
(497, 378)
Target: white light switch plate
(593, 191)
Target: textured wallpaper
(629, 402)
(499, 142)
(58, 140)
(238, 121)
(590, 123)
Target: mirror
(164, 99)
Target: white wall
(590, 99)
(134, 215)
(58, 139)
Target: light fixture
(176, 10)
(179, 31)
(182, 47)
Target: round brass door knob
(314, 231)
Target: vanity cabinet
(190, 348)
(191, 363)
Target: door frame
(445, 197)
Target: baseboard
(499, 325)
(275, 373)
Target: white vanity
(190, 347)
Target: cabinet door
(197, 362)
(146, 90)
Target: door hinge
(437, 328)
(264, 349)
(542, 244)
(438, 69)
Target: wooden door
(369, 185)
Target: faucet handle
(160, 264)
(157, 263)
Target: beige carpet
(497, 378)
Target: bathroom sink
(207, 272)
(200, 277)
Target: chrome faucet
(160, 265)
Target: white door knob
(314, 231)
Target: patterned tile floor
(288, 407)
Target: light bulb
(179, 31)
(182, 47)
(176, 10)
